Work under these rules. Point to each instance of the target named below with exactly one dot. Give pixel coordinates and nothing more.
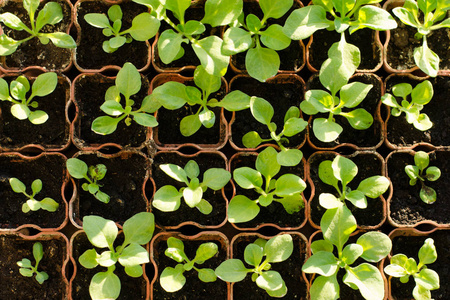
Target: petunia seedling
(286, 189)
(22, 104)
(28, 270)
(422, 172)
(168, 197)
(426, 279)
(50, 14)
(260, 255)
(420, 96)
(79, 169)
(144, 26)
(172, 279)
(47, 203)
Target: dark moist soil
(54, 133)
(291, 58)
(131, 288)
(169, 123)
(275, 212)
(368, 165)
(123, 183)
(185, 213)
(282, 95)
(194, 288)
(290, 270)
(90, 95)
(369, 138)
(14, 285)
(33, 52)
(406, 207)
(50, 169)
(90, 54)
(403, 134)
(410, 245)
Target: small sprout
(277, 249)
(420, 95)
(43, 85)
(286, 189)
(47, 203)
(426, 279)
(50, 14)
(172, 279)
(167, 198)
(421, 172)
(144, 26)
(27, 269)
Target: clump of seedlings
(28, 270)
(32, 204)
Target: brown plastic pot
(54, 263)
(50, 168)
(123, 54)
(194, 288)
(167, 134)
(15, 61)
(367, 161)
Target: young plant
(79, 169)
(17, 91)
(259, 40)
(172, 279)
(420, 96)
(102, 233)
(50, 14)
(430, 17)
(27, 269)
(277, 249)
(426, 279)
(167, 198)
(128, 83)
(144, 26)
(47, 203)
(337, 224)
(421, 172)
(286, 189)
(343, 170)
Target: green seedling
(286, 189)
(102, 233)
(167, 198)
(421, 172)
(27, 269)
(172, 279)
(47, 203)
(426, 279)
(337, 224)
(259, 40)
(50, 14)
(128, 83)
(144, 26)
(420, 96)
(343, 170)
(79, 169)
(275, 250)
(426, 16)
(17, 91)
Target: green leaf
(169, 45)
(20, 111)
(367, 279)
(116, 42)
(262, 63)
(26, 272)
(60, 39)
(7, 45)
(241, 209)
(372, 17)
(139, 228)
(337, 224)
(420, 293)
(376, 246)
(133, 255)
(167, 198)
(205, 251)
(236, 40)
(329, 201)
(104, 285)
(351, 253)
(134, 271)
(51, 13)
(325, 130)
(49, 204)
(4, 89)
(270, 281)
(17, 185)
(77, 168)
(428, 194)
(275, 8)
(12, 21)
(289, 157)
(172, 95)
(216, 178)
(112, 108)
(427, 253)
(172, 279)
(421, 160)
(374, 186)
(89, 259)
(303, 22)
(294, 126)
(395, 271)
(97, 20)
(251, 139)
(344, 169)
(253, 254)
(423, 122)
(267, 164)
(24, 263)
(207, 118)
(279, 248)
(208, 50)
(353, 94)
(321, 245)
(359, 118)
(178, 7)
(190, 125)
(325, 288)
(322, 262)
(247, 178)
(288, 185)
(33, 204)
(222, 12)
(402, 90)
(261, 110)
(128, 80)
(115, 13)
(193, 196)
(426, 59)
(100, 232)
(207, 275)
(146, 120)
(105, 125)
(41, 277)
(233, 101)
(38, 252)
(144, 27)
(38, 117)
(204, 207)
(326, 173)
(192, 170)
(427, 279)
(357, 198)
(207, 82)
(231, 270)
(176, 172)
(422, 93)
(107, 259)
(274, 38)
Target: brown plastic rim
(76, 140)
(74, 208)
(159, 80)
(78, 28)
(263, 225)
(65, 183)
(277, 79)
(376, 117)
(5, 69)
(202, 236)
